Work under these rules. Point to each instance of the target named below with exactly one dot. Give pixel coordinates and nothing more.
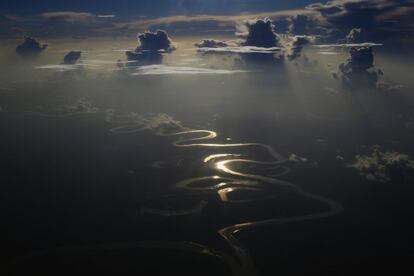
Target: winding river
(226, 181)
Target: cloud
(356, 35)
(30, 47)
(59, 24)
(178, 70)
(151, 47)
(381, 19)
(327, 53)
(358, 71)
(61, 67)
(143, 58)
(257, 32)
(260, 33)
(70, 17)
(258, 44)
(212, 46)
(293, 158)
(106, 16)
(72, 57)
(211, 43)
(90, 64)
(202, 23)
(348, 45)
(155, 41)
(361, 58)
(81, 105)
(133, 122)
(258, 37)
(384, 166)
(296, 45)
(239, 50)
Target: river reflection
(231, 182)
(237, 179)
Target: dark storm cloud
(384, 166)
(260, 41)
(72, 57)
(151, 47)
(30, 47)
(381, 19)
(155, 41)
(358, 70)
(258, 44)
(261, 33)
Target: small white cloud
(66, 67)
(384, 166)
(348, 45)
(240, 50)
(178, 70)
(297, 159)
(327, 53)
(331, 90)
(106, 16)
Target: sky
(151, 8)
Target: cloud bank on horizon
(369, 20)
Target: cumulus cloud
(356, 35)
(261, 33)
(384, 166)
(180, 70)
(151, 47)
(259, 42)
(358, 70)
(156, 41)
(30, 47)
(72, 57)
(211, 43)
(295, 46)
